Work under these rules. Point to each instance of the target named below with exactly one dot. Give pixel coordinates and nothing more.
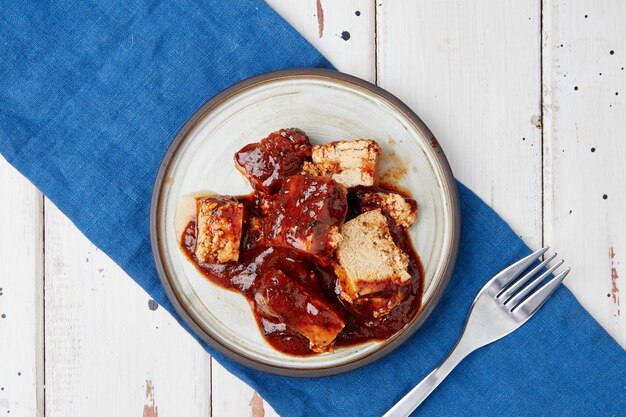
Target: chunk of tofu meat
(351, 163)
(219, 222)
(403, 211)
(371, 269)
(299, 308)
(279, 155)
(305, 216)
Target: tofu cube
(402, 211)
(305, 217)
(299, 308)
(219, 221)
(279, 155)
(370, 265)
(350, 163)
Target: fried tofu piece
(350, 163)
(370, 268)
(219, 222)
(305, 216)
(299, 308)
(279, 155)
(402, 210)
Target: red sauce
(279, 155)
(257, 259)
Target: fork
(501, 306)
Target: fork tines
(519, 294)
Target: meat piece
(219, 222)
(371, 269)
(402, 211)
(351, 163)
(306, 215)
(301, 309)
(277, 156)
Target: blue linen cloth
(92, 93)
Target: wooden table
(527, 98)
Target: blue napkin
(92, 93)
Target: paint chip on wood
(256, 404)
(345, 35)
(536, 121)
(152, 305)
(614, 278)
(320, 18)
(150, 409)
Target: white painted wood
(231, 397)
(471, 71)
(355, 56)
(21, 284)
(583, 110)
(107, 352)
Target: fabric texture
(92, 93)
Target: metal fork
(501, 306)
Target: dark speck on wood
(152, 305)
(605, 196)
(345, 35)
(4, 316)
(593, 149)
(358, 13)
(611, 52)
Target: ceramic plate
(328, 106)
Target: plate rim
(449, 184)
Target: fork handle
(417, 395)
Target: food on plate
(320, 249)
(402, 210)
(306, 215)
(291, 302)
(220, 221)
(349, 162)
(279, 155)
(370, 265)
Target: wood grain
(584, 81)
(110, 351)
(21, 295)
(471, 71)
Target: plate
(328, 106)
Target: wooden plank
(471, 71)
(584, 44)
(348, 35)
(355, 56)
(109, 349)
(21, 297)
(232, 398)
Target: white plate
(328, 106)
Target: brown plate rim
(388, 345)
